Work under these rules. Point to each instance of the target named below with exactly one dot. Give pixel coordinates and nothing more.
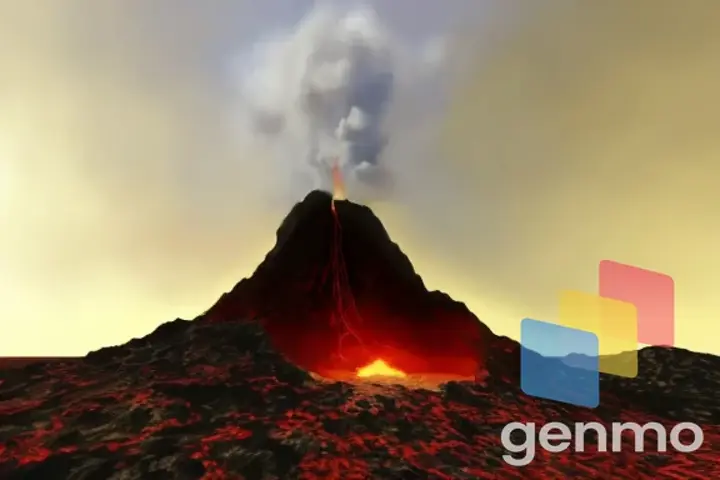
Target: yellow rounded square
(615, 324)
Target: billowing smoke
(321, 92)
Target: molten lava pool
(379, 368)
(382, 372)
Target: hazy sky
(130, 196)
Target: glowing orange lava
(379, 368)
(338, 182)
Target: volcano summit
(281, 379)
(336, 294)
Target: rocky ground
(196, 400)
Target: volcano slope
(230, 395)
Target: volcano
(336, 294)
(301, 372)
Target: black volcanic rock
(326, 265)
(215, 398)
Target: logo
(554, 437)
(632, 306)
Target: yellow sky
(579, 135)
(593, 134)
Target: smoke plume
(321, 92)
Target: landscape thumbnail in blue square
(559, 363)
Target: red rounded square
(652, 293)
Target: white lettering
(563, 435)
(639, 431)
(555, 437)
(581, 428)
(698, 435)
(527, 446)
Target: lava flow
(342, 294)
(338, 183)
(379, 368)
(361, 347)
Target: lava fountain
(338, 184)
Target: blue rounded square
(559, 363)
